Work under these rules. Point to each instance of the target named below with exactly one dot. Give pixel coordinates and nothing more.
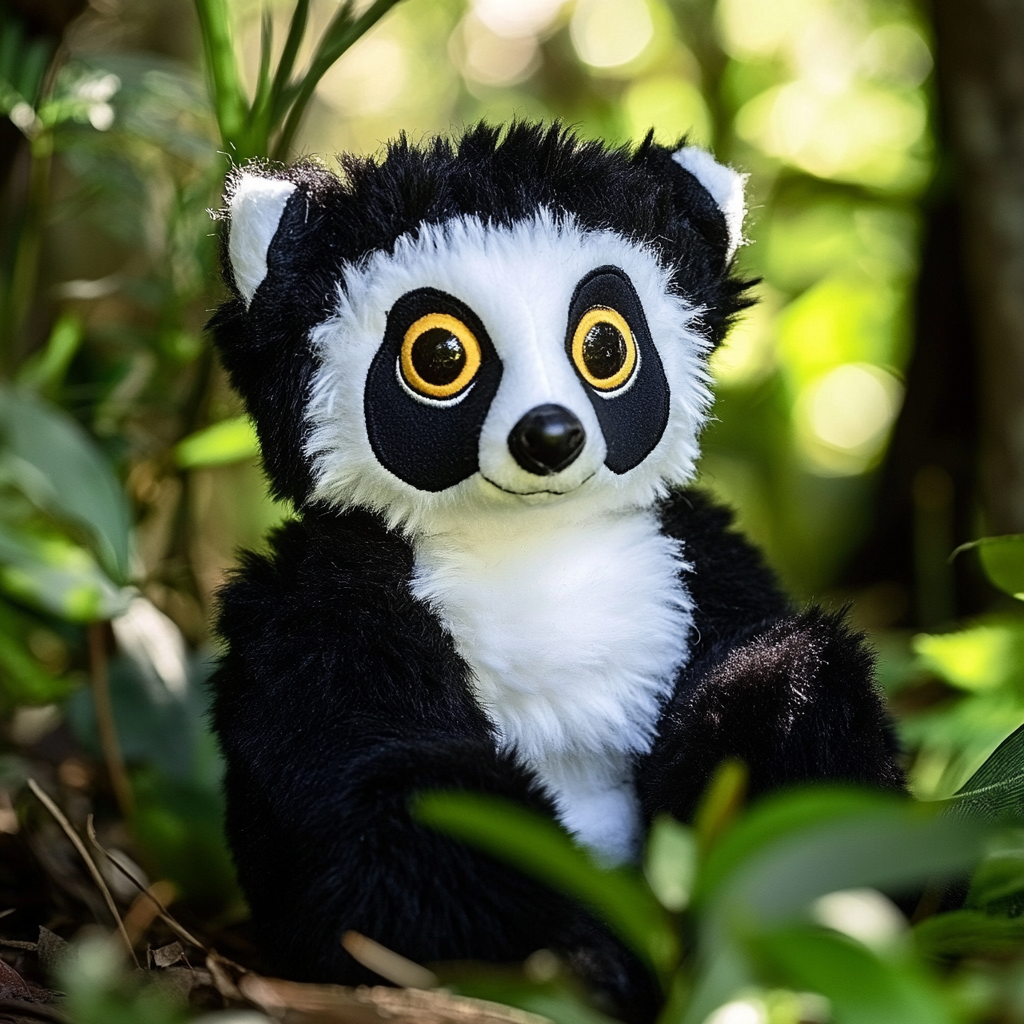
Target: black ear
(280, 259)
(725, 187)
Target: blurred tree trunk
(980, 51)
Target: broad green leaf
(888, 848)
(74, 479)
(861, 987)
(996, 790)
(545, 850)
(969, 933)
(985, 656)
(670, 862)
(225, 442)
(57, 576)
(773, 819)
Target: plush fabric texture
(588, 637)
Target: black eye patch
(430, 444)
(633, 418)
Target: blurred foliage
(129, 477)
(783, 907)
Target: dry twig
(76, 841)
(171, 923)
(387, 963)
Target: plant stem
(228, 101)
(105, 725)
(21, 286)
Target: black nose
(546, 440)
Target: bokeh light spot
(607, 33)
(844, 417)
(671, 106)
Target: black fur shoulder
(731, 584)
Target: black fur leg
(795, 701)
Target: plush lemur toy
(479, 372)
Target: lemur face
(477, 365)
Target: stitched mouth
(530, 494)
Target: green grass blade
(340, 35)
(257, 134)
(283, 74)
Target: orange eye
(603, 348)
(440, 356)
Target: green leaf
(861, 987)
(985, 656)
(72, 478)
(969, 933)
(720, 803)
(57, 576)
(24, 680)
(996, 790)
(543, 849)
(773, 819)
(671, 862)
(44, 372)
(1002, 558)
(887, 847)
(225, 442)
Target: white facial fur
(520, 282)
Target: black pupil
(604, 350)
(438, 356)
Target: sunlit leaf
(225, 442)
(57, 576)
(670, 862)
(861, 987)
(543, 849)
(75, 480)
(996, 789)
(985, 656)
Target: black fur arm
(791, 695)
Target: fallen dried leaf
(167, 955)
(12, 984)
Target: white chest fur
(574, 633)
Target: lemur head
(516, 320)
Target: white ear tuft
(725, 186)
(256, 207)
